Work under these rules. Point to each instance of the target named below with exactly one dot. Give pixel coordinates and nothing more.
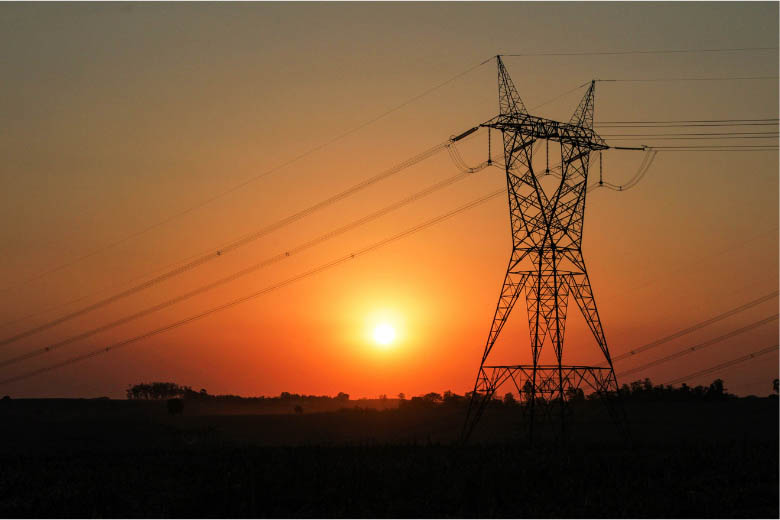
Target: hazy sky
(118, 116)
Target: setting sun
(384, 334)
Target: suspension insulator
(464, 134)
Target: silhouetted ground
(85, 458)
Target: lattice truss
(549, 380)
(546, 264)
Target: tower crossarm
(542, 128)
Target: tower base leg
(540, 396)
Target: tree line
(643, 390)
(160, 391)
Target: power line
(556, 98)
(647, 161)
(244, 183)
(600, 123)
(685, 125)
(697, 326)
(685, 134)
(224, 306)
(715, 147)
(717, 78)
(350, 131)
(100, 291)
(453, 153)
(700, 346)
(76, 300)
(248, 270)
(726, 364)
(243, 299)
(211, 250)
(227, 248)
(717, 138)
(702, 124)
(718, 150)
(637, 52)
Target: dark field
(100, 458)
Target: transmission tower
(546, 261)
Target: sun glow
(384, 334)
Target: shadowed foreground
(119, 459)
(693, 480)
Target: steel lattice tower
(546, 261)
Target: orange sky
(121, 115)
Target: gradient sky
(117, 116)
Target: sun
(384, 334)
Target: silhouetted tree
(401, 396)
(341, 396)
(452, 399)
(716, 390)
(509, 399)
(432, 397)
(157, 391)
(528, 390)
(575, 394)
